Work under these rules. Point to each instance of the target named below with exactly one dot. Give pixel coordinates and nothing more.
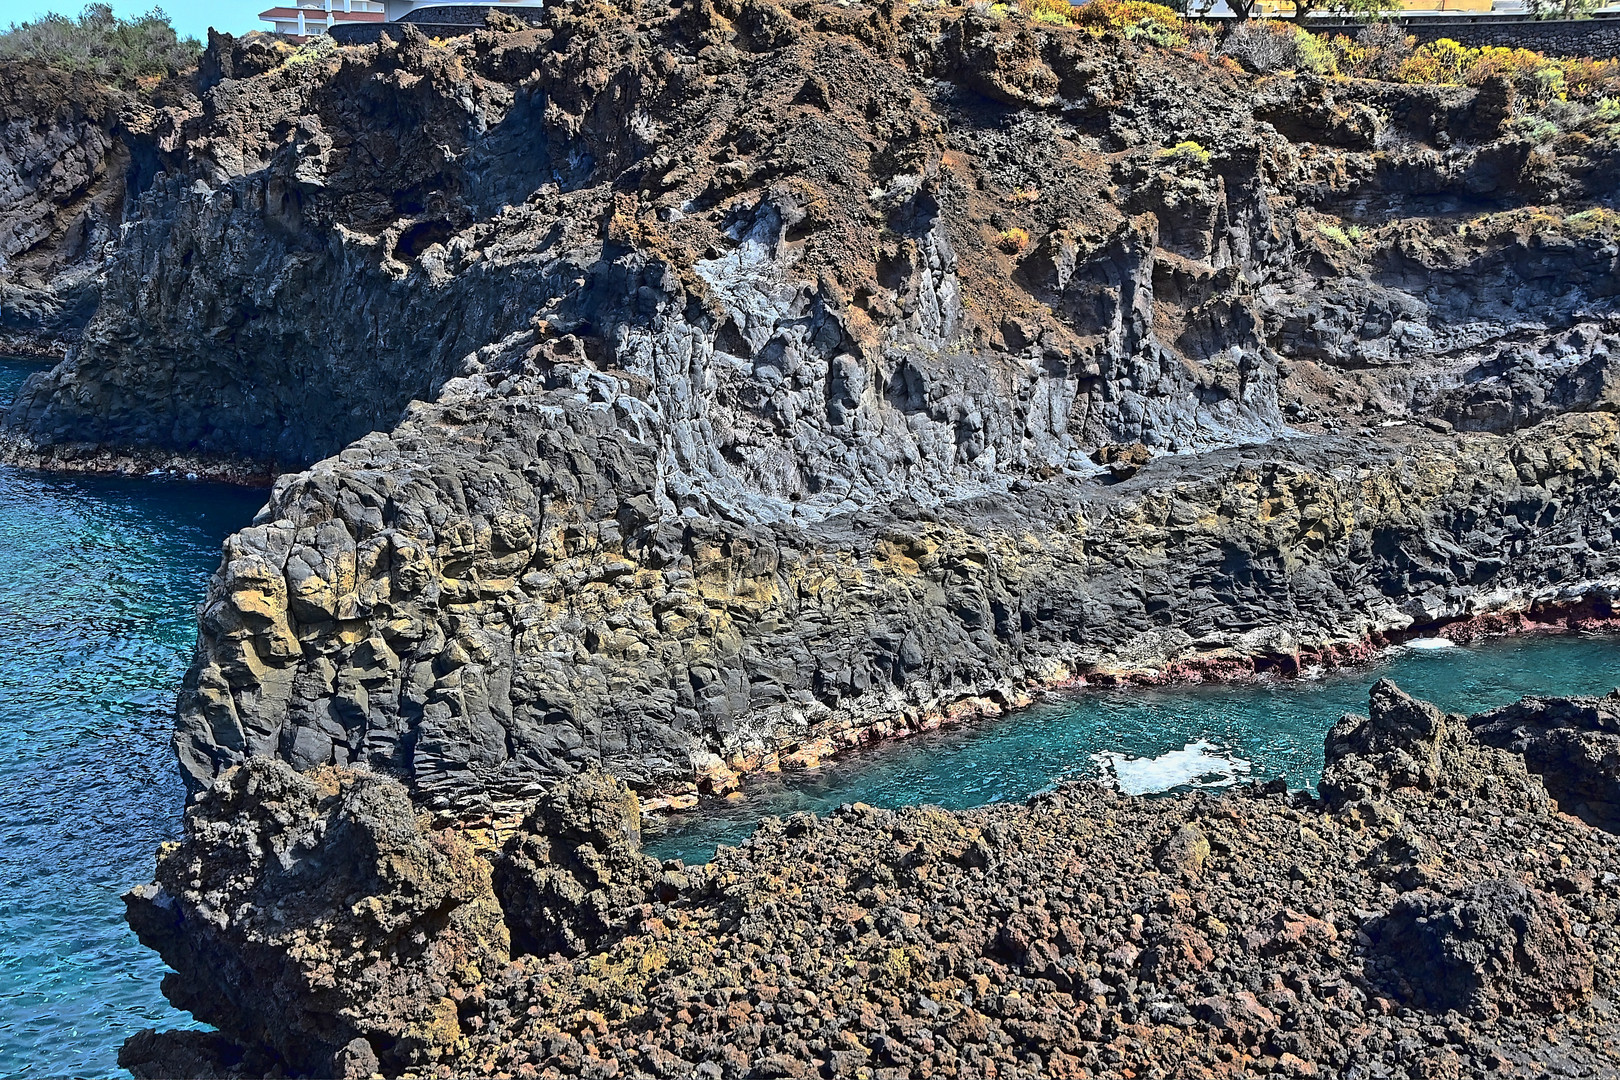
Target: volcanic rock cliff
(685, 390)
(73, 152)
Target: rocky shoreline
(92, 460)
(633, 427)
(1383, 929)
(675, 655)
(665, 392)
(1590, 615)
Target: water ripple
(1151, 739)
(98, 583)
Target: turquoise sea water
(99, 579)
(1151, 739)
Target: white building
(305, 18)
(398, 9)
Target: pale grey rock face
(523, 580)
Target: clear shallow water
(98, 583)
(1152, 739)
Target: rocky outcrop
(573, 873)
(314, 920)
(1499, 945)
(1461, 927)
(73, 155)
(1572, 743)
(1397, 746)
(760, 353)
(502, 592)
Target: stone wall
(1598, 36)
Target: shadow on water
(99, 579)
(1157, 739)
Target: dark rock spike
(1397, 745)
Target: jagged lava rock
(1396, 745)
(1456, 929)
(304, 912)
(574, 874)
(1499, 944)
(1573, 743)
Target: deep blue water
(99, 579)
(1274, 728)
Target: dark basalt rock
(74, 154)
(1396, 745)
(574, 873)
(1497, 945)
(1572, 743)
(196, 1055)
(316, 920)
(1256, 932)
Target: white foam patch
(1199, 764)
(1427, 643)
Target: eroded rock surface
(315, 920)
(1458, 927)
(573, 873)
(1573, 743)
(73, 154)
(787, 375)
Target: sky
(191, 18)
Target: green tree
(1564, 9)
(1354, 9)
(119, 51)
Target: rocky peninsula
(693, 390)
(1434, 913)
(668, 392)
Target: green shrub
(1597, 219)
(1334, 233)
(120, 51)
(1134, 20)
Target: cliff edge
(684, 390)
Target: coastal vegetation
(123, 52)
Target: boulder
(1573, 743)
(1396, 746)
(318, 918)
(1497, 946)
(574, 873)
